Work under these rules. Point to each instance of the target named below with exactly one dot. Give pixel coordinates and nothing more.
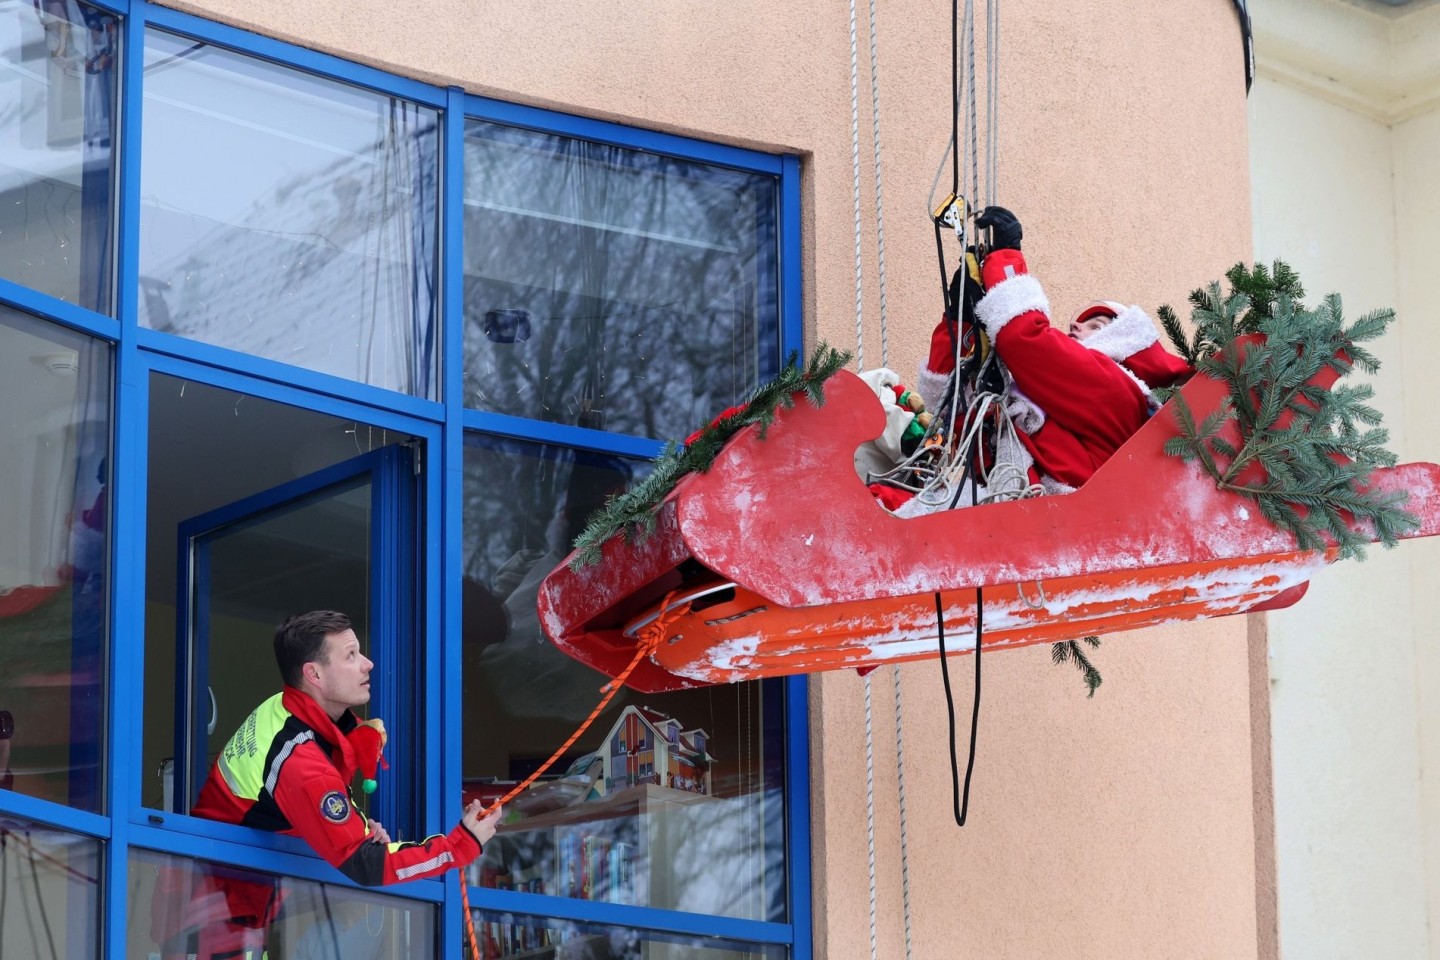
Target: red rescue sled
(790, 566)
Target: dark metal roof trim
(1247, 40)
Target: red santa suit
(1091, 395)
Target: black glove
(1006, 228)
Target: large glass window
(288, 216)
(673, 800)
(613, 288)
(259, 510)
(292, 218)
(58, 61)
(186, 908)
(49, 892)
(54, 533)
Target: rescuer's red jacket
(288, 769)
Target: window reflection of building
(57, 117)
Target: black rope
(955, 304)
(940, 252)
(960, 798)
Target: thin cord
(992, 110)
(970, 108)
(949, 710)
(961, 801)
(975, 707)
(860, 364)
(955, 96)
(870, 816)
(879, 189)
(900, 778)
(855, 168)
(884, 361)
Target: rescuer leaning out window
(289, 766)
(288, 769)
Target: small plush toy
(368, 742)
(915, 430)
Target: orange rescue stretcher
(781, 562)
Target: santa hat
(1130, 339)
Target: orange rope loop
(647, 640)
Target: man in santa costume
(1088, 386)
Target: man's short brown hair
(301, 640)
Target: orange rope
(649, 638)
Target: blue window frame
(364, 510)
(104, 300)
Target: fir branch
(1176, 332)
(634, 512)
(1315, 447)
(1069, 651)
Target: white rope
(992, 91)
(885, 361)
(970, 110)
(870, 815)
(855, 168)
(879, 188)
(860, 364)
(900, 779)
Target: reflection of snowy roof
(285, 224)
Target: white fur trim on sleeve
(1023, 411)
(1008, 299)
(1131, 331)
(931, 386)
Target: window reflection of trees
(329, 261)
(649, 283)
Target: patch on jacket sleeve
(334, 807)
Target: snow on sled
(781, 562)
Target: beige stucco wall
(1344, 135)
(1118, 827)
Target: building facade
(368, 308)
(1344, 126)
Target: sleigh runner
(778, 560)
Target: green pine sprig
(634, 512)
(1070, 651)
(1305, 453)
